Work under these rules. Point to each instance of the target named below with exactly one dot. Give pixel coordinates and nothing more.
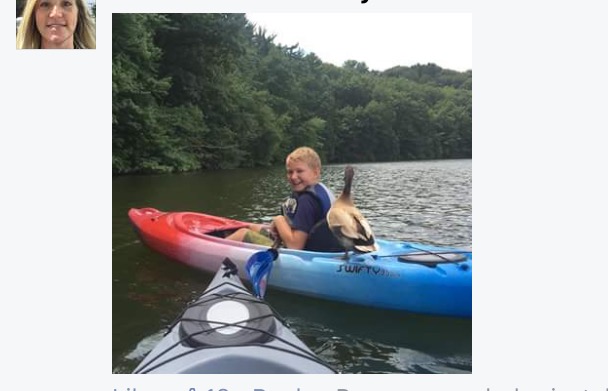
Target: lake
(424, 201)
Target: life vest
(320, 237)
(320, 192)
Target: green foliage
(145, 135)
(433, 74)
(212, 91)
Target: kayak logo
(373, 270)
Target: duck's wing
(365, 242)
(349, 224)
(342, 223)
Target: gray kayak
(228, 330)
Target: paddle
(259, 266)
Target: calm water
(426, 201)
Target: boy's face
(300, 175)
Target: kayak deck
(227, 330)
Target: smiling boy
(302, 212)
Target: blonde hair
(28, 36)
(306, 155)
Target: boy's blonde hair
(306, 155)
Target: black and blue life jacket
(320, 237)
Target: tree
(146, 137)
(200, 91)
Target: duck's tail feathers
(367, 249)
(366, 245)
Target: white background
(539, 214)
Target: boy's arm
(292, 238)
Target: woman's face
(56, 21)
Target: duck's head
(349, 173)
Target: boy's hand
(273, 230)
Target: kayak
(228, 330)
(403, 276)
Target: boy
(304, 212)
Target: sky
(381, 40)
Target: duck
(347, 223)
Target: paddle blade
(258, 269)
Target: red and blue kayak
(404, 276)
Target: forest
(214, 91)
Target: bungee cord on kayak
(303, 355)
(423, 256)
(228, 330)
